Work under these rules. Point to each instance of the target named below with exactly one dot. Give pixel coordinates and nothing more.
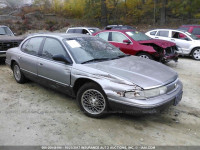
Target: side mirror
(62, 58)
(15, 34)
(127, 42)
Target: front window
(118, 37)
(52, 47)
(86, 49)
(5, 31)
(138, 36)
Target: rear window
(70, 31)
(163, 33)
(196, 31)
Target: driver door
(182, 41)
(117, 40)
(54, 73)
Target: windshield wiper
(96, 59)
(2, 34)
(121, 56)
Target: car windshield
(138, 36)
(194, 37)
(92, 49)
(5, 31)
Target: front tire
(145, 55)
(92, 100)
(18, 75)
(196, 54)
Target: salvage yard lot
(33, 115)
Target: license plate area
(178, 98)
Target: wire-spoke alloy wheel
(92, 100)
(17, 72)
(145, 55)
(19, 77)
(196, 54)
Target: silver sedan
(100, 76)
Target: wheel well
(140, 52)
(193, 50)
(12, 63)
(80, 82)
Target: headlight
(143, 94)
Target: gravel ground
(33, 115)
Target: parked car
(188, 44)
(119, 27)
(99, 75)
(194, 29)
(136, 43)
(7, 40)
(83, 30)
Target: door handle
(172, 40)
(156, 37)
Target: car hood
(142, 72)
(161, 43)
(11, 38)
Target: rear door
(54, 73)
(163, 35)
(28, 59)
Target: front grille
(6, 45)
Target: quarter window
(104, 35)
(153, 33)
(52, 47)
(32, 46)
(163, 33)
(118, 37)
(196, 31)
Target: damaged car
(7, 40)
(99, 75)
(136, 43)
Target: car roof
(192, 25)
(60, 35)
(83, 28)
(3, 26)
(118, 30)
(168, 29)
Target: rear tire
(196, 54)
(145, 55)
(92, 100)
(18, 75)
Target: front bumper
(149, 106)
(168, 58)
(2, 54)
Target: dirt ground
(33, 115)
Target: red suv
(136, 43)
(194, 29)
